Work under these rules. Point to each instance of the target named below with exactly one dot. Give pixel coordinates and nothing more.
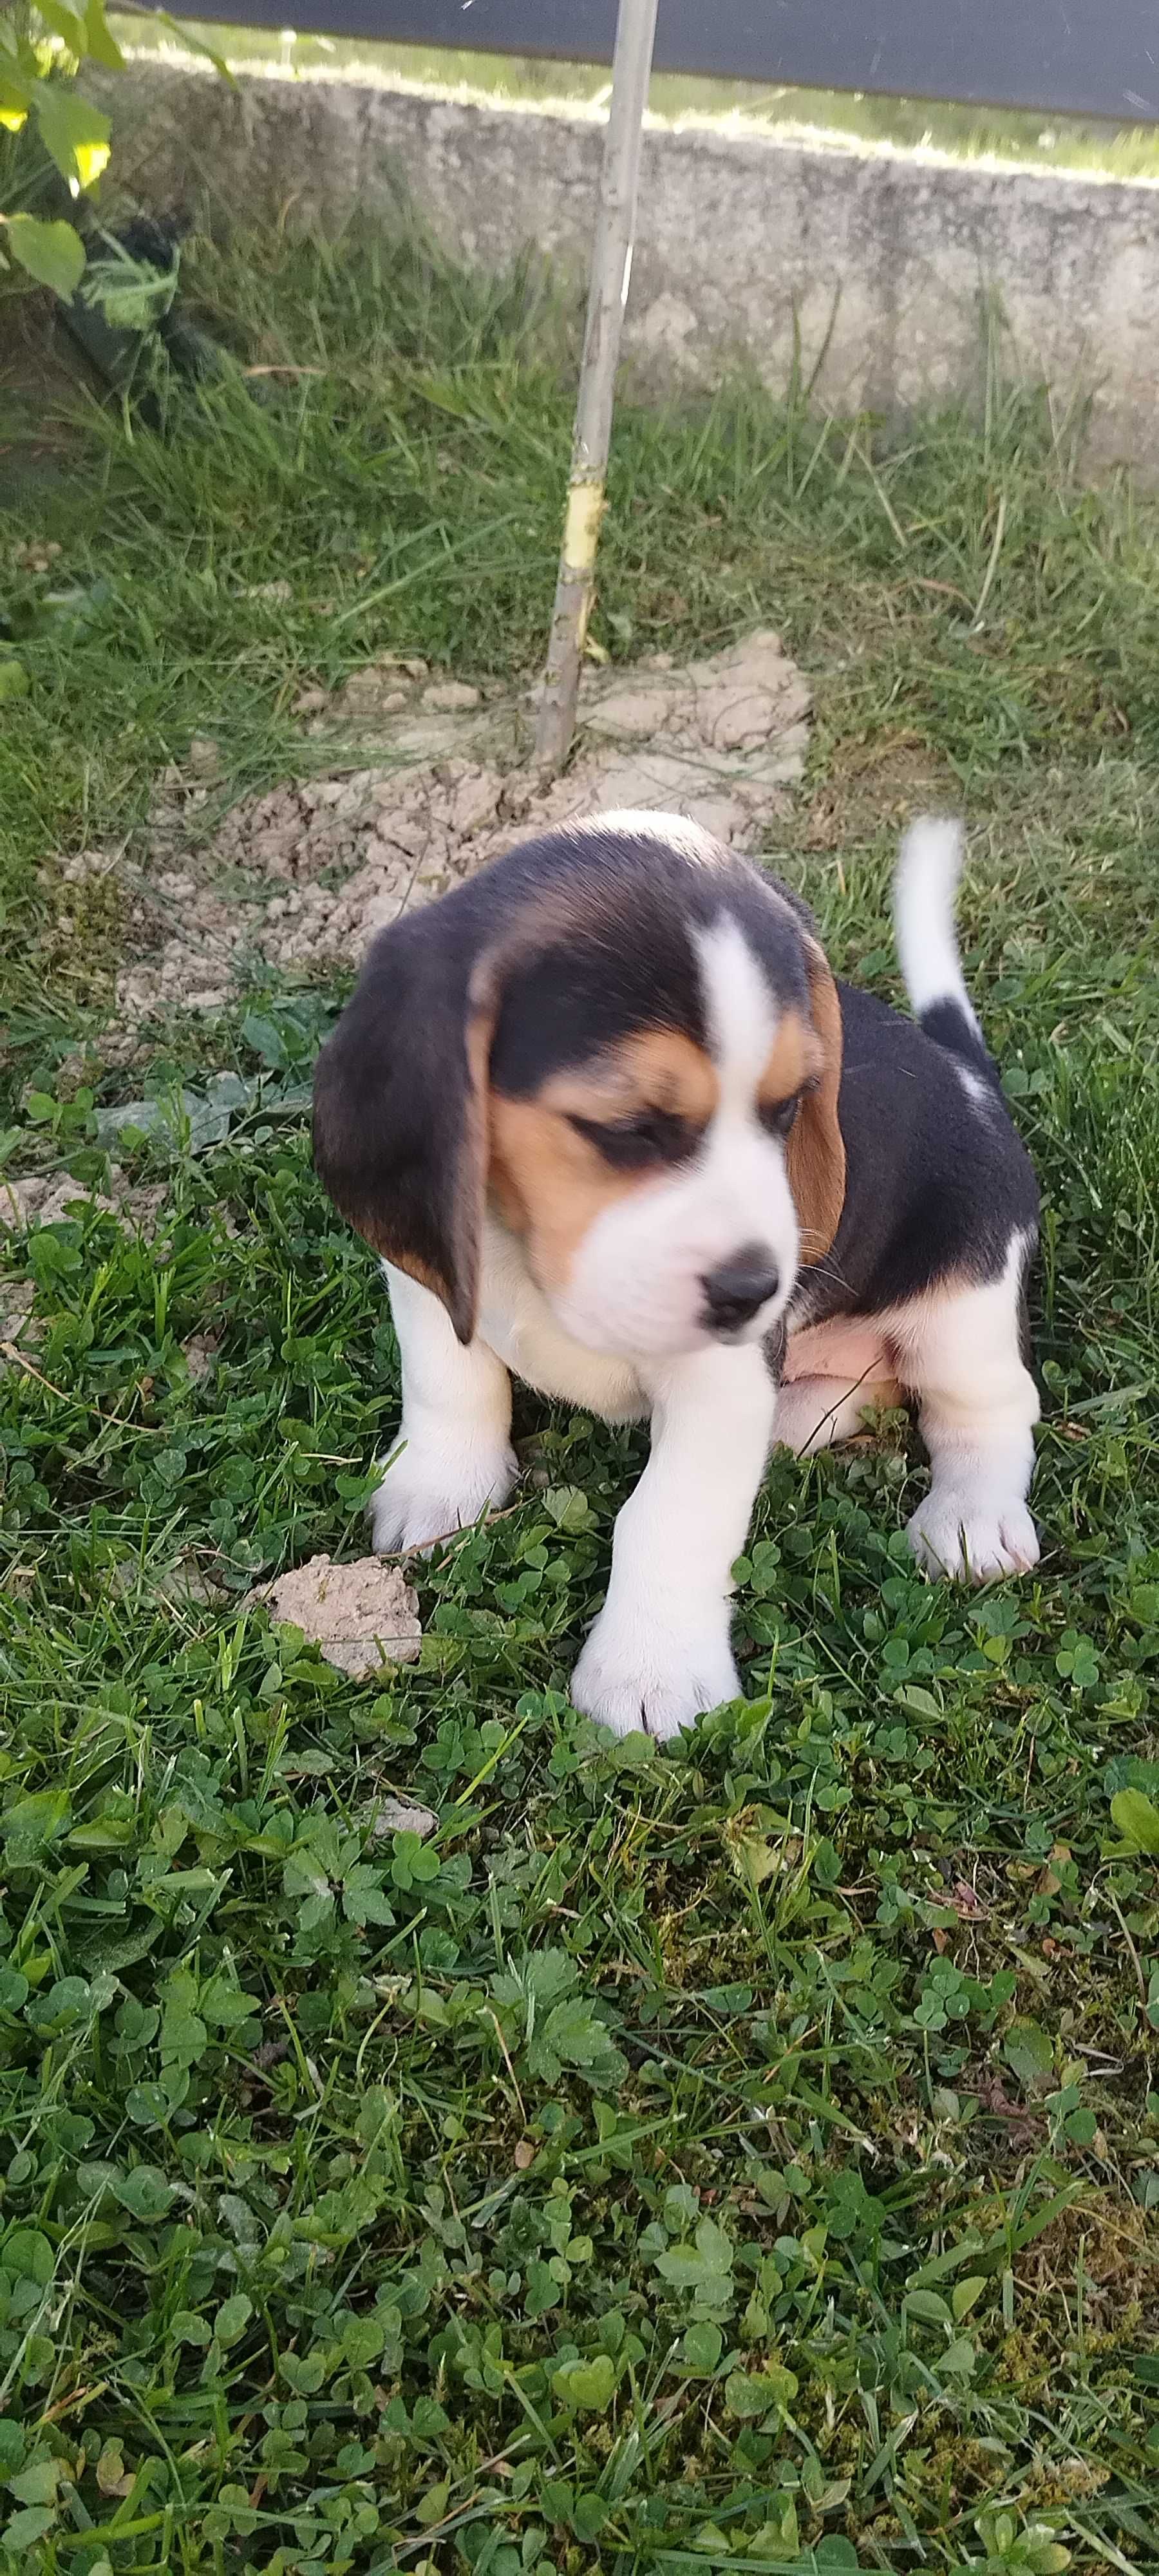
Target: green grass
(739, 2157)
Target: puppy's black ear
(815, 1153)
(400, 1106)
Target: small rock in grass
(363, 1616)
(447, 696)
(398, 1816)
(48, 1198)
(200, 1352)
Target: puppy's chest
(516, 1323)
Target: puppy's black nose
(735, 1289)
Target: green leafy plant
(43, 49)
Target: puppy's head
(628, 1044)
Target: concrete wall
(889, 254)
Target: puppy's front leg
(660, 1650)
(456, 1426)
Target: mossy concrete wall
(883, 263)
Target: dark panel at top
(1079, 57)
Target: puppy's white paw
(642, 1670)
(970, 1540)
(433, 1490)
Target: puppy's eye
(777, 1116)
(631, 1144)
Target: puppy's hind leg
(961, 1353)
(816, 1412)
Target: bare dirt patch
(304, 875)
(876, 786)
(46, 1198)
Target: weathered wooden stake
(607, 296)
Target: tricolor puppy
(612, 1124)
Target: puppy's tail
(926, 882)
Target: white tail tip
(926, 881)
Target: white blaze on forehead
(739, 1009)
(637, 1282)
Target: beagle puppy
(611, 1124)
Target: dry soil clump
(364, 1616)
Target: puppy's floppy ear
(400, 1106)
(815, 1152)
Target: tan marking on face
(656, 1069)
(796, 1057)
(551, 1184)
